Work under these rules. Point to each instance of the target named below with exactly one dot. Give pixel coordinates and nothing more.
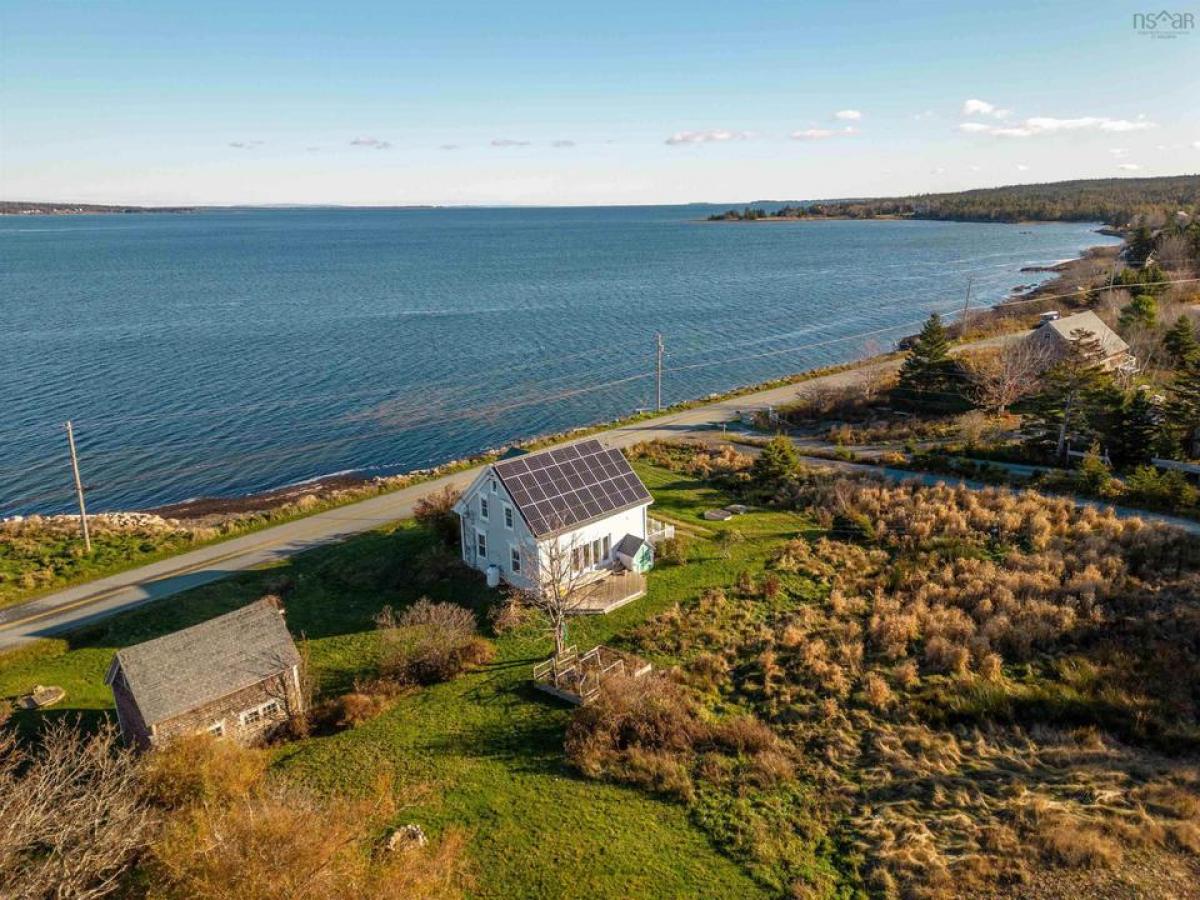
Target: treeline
(1119, 202)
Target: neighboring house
(582, 502)
(237, 676)
(1056, 336)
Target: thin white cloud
(1045, 125)
(508, 142)
(823, 134)
(562, 143)
(716, 135)
(448, 147)
(1196, 145)
(370, 142)
(245, 145)
(925, 115)
(1021, 167)
(1118, 151)
(976, 107)
(848, 115)
(1129, 167)
(975, 168)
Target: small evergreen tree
(1184, 408)
(1067, 404)
(777, 462)
(1140, 312)
(1141, 244)
(1139, 432)
(926, 375)
(1180, 341)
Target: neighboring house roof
(187, 669)
(1064, 329)
(564, 488)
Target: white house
(583, 499)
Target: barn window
(260, 712)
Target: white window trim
(510, 518)
(483, 508)
(481, 547)
(216, 729)
(514, 558)
(256, 714)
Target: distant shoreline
(26, 208)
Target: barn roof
(560, 489)
(1064, 329)
(187, 669)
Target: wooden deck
(611, 592)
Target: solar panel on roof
(559, 488)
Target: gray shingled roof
(630, 545)
(1064, 329)
(186, 669)
(563, 488)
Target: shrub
(673, 551)
(772, 584)
(510, 614)
(201, 769)
(73, 816)
(436, 512)
(876, 691)
(642, 731)
(430, 642)
(284, 842)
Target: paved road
(95, 600)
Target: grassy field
(486, 749)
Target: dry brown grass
(990, 687)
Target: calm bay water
(233, 351)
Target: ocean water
(225, 352)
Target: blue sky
(568, 103)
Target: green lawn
(486, 746)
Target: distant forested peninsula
(1113, 201)
(27, 208)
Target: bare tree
(73, 817)
(1000, 379)
(560, 582)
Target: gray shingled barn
(237, 676)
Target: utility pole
(87, 538)
(967, 305)
(658, 346)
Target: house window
(607, 547)
(260, 712)
(481, 544)
(577, 558)
(515, 559)
(216, 729)
(596, 557)
(587, 555)
(483, 508)
(493, 485)
(508, 517)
